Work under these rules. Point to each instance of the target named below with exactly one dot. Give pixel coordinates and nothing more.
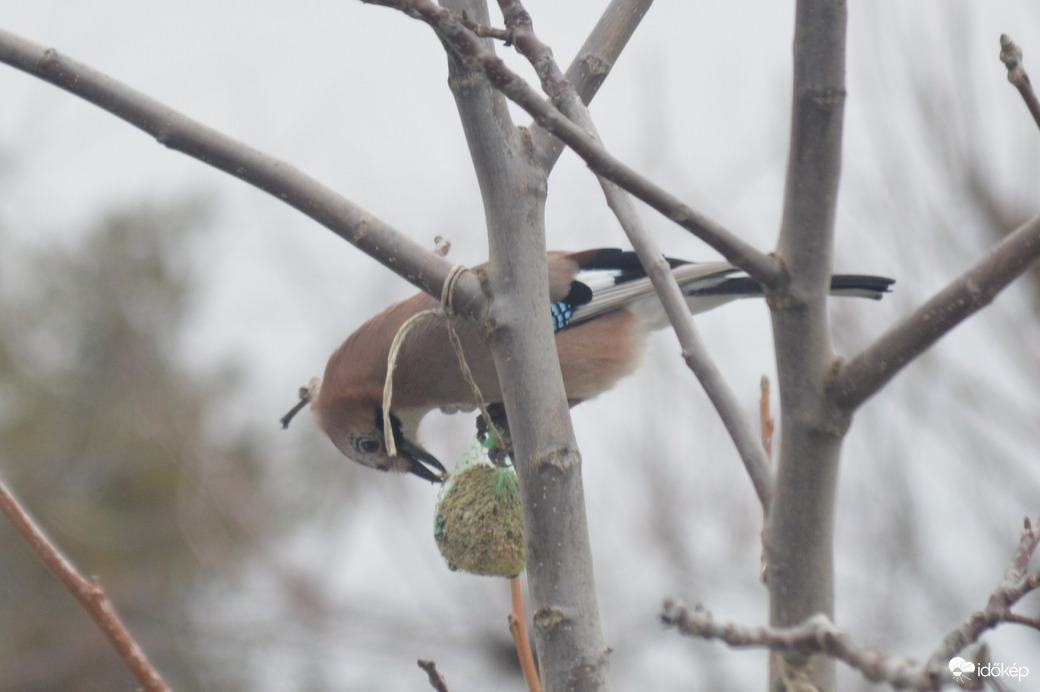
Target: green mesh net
(479, 523)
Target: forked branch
(467, 47)
(566, 98)
(818, 635)
(868, 372)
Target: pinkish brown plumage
(603, 308)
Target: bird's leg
(498, 452)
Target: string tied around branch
(447, 311)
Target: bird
(603, 307)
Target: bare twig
(441, 245)
(862, 377)
(1011, 56)
(87, 591)
(486, 31)
(518, 628)
(818, 634)
(407, 258)
(467, 47)
(734, 417)
(973, 290)
(694, 351)
(305, 398)
(765, 417)
(1015, 584)
(436, 679)
(1023, 620)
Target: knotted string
(447, 311)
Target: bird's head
(355, 426)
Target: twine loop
(447, 311)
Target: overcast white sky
(355, 96)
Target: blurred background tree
(108, 441)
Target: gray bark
(572, 653)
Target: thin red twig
(518, 628)
(87, 591)
(766, 417)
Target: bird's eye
(367, 445)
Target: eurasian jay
(603, 307)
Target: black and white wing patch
(611, 278)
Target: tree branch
(486, 31)
(469, 49)
(518, 628)
(434, 675)
(818, 635)
(868, 372)
(799, 537)
(87, 591)
(408, 259)
(1015, 584)
(1011, 56)
(572, 653)
(566, 99)
(593, 62)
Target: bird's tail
(743, 286)
(704, 293)
(610, 279)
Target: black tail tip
(861, 285)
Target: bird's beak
(419, 459)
